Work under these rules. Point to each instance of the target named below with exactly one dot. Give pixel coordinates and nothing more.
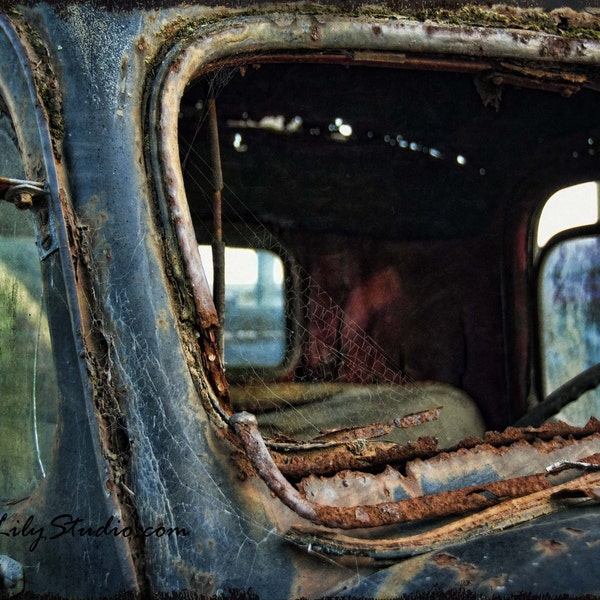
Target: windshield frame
(331, 39)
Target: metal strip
(218, 247)
(495, 519)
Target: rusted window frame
(408, 44)
(404, 43)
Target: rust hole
(487, 494)
(551, 547)
(466, 572)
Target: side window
(255, 322)
(28, 388)
(566, 209)
(569, 296)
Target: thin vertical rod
(218, 246)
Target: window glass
(570, 319)
(255, 328)
(28, 388)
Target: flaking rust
(369, 455)
(374, 455)
(509, 513)
(353, 434)
(428, 506)
(482, 464)
(546, 432)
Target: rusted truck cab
(293, 300)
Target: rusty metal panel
(471, 469)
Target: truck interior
(392, 291)
(392, 207)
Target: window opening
(343, 363)
(566, 209)
(255, 329)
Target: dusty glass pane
(570, 318)
(28, 388)
(10, 157)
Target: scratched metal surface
(553, 556)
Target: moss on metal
(564, 22)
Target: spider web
(335, 373)
(335, 347)
(338, 347)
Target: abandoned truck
(300, 299)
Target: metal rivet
(23, 200)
